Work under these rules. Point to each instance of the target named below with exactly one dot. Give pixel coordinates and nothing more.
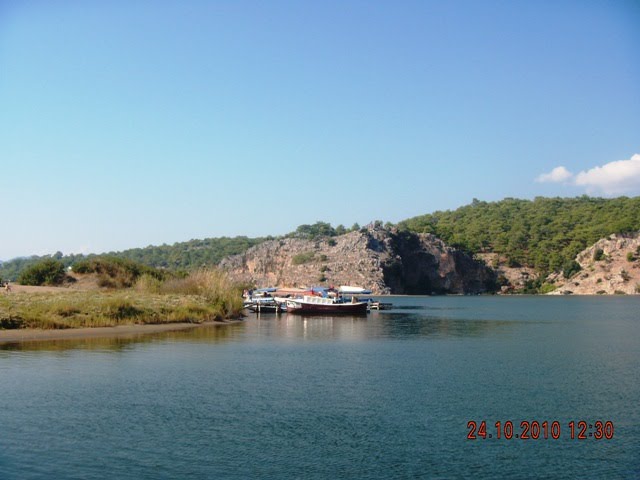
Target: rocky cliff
(610, 266)
(383, 260)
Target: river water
(386, 396)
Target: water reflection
(410, 318)
(386, 324)
(290, 327)
(201, 334)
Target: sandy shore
(30, 335)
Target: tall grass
(202, 296)
(222, 295)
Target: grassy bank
(202, 296)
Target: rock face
(512, 279)
(610, 266)
(383, 260)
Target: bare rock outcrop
(383, 260)
(610, 266)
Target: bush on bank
(115, 272)
(46, 272)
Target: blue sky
(125, 124)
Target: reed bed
(204, 295)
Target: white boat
(320, 305)
(349, 290)
(264, 305)
(261, 301)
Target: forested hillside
(182, 256)
(545, 233)
(191, 254)
(179, 256)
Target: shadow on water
(399, 325)
(426, 307)
(201, 334)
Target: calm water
(385, 396)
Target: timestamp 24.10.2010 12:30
(545, 430)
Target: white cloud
(558, 174)
(614, 178)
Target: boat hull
(303, 308)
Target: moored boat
(351, 290)
(320, 305)
(261, 301)
(265, 305)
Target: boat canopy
(349, 290)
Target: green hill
(191, 254)
(182, 256)
(545, 233)
(179, 256)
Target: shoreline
(36, 334)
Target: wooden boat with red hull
(309, 305)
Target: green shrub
(46, 272)
(304, 257)
(532, 286)
(546, 288)
(340, 230)
(598, 255)
(84, 266)
(570, 268)
(513, 263)
(117, 272)
(315, 231)
(630, 257)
